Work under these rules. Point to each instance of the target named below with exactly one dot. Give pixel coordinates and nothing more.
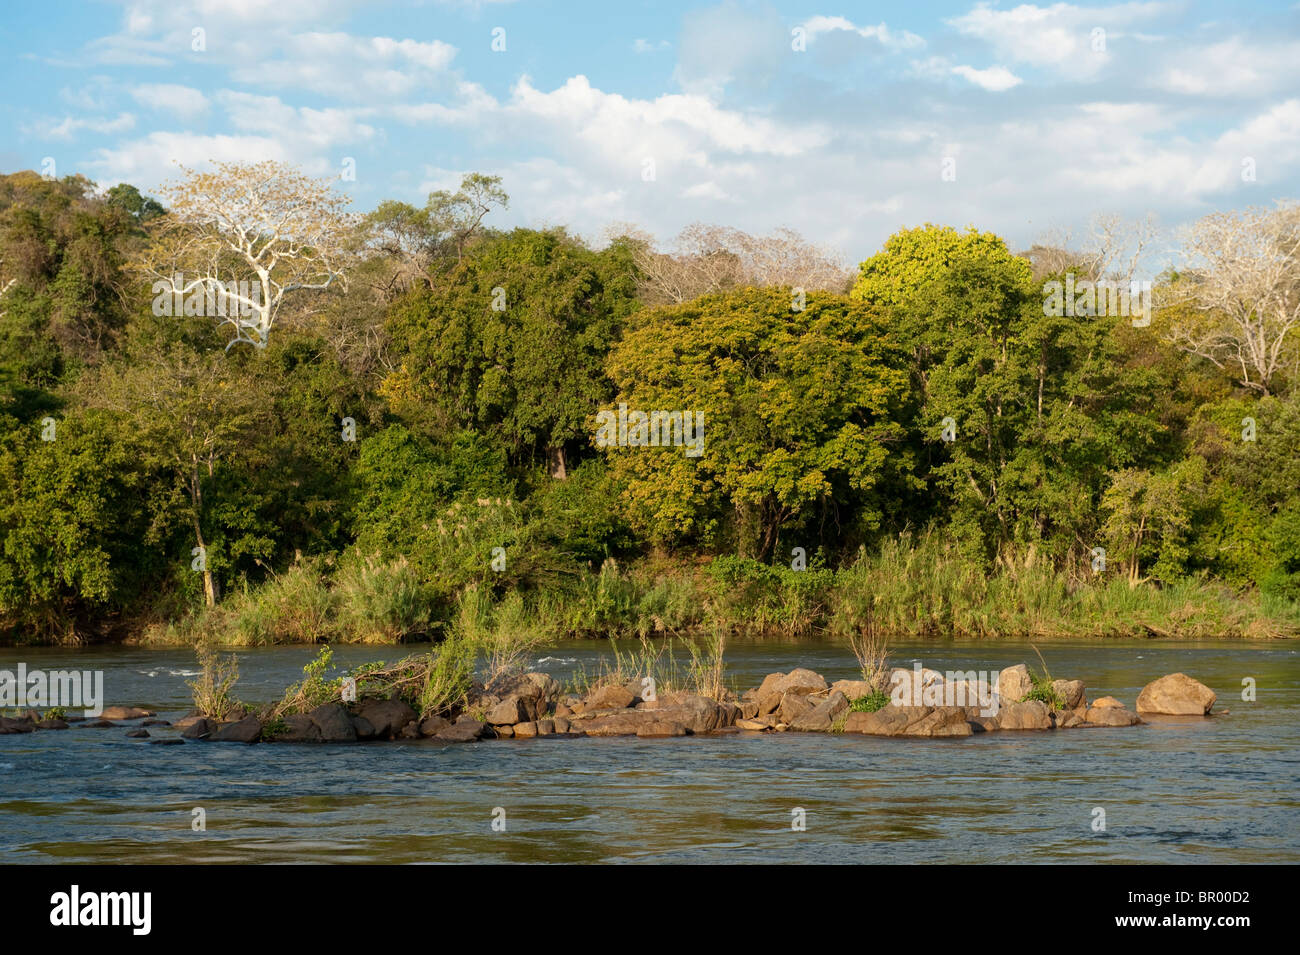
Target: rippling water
(1177, 789)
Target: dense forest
(238, 412)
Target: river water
(1223, 789)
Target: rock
(822, 717)
(768, 703)
(768, 686)
(411, 730)
(137, 734)
(51, 725)
(754, 726)
(563, 711)
(1112, 716)
(502, 732)
(1106, 701)
(748, 709)
(545, 727)
(124, 713)
(466, 729)
(155, 723)
(386, 716)
(909, 687)
(168, 741)
(247, 730)
(1013, 683)
(1068, 719)
(1030, 715)
(1176, 695)
(200, 728)
(1071, 691)
(508, 712)
(610, 698)
(929, 721)
(334, 723)
(793, 706)
(299, 728)
(365, 730)
(526, 730)
(615, 724)
(799, 682)
(660, 729)
(432, 725)
(561, 725)
(186, 722)
(852, 689)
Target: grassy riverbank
(908, 589)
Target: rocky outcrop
(1176, 695)
(334, 723)
(925, 721)
(386, 717)
(1013, 683)
(822, 717)
(1030, 715)
(247, 730)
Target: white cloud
(1233, 67)
(995, 79)
(68, 127)
(898, 40)
(156, 158)
(351, 67)
(183, 101)
(705, 190)
(317, 128)
(648, 46)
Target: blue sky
(1050, 114)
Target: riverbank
(924, 589)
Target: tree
(1243, 286)
(246, 236)
(912, 257)
(414, 238)
(798, 411)
(709, 258)
(512, 345)
(186, 414)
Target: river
(1220, 790)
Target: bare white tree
(1238, 303)
(246, 235)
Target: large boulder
(822, 717)
(298, 728)
(1013, 683)
(927, 721)
(466, 729)
(386, 716)
(912, 687)
(200, 728)
(852, 689)
(1111, 716)
(247, 730)
(794, 706)
(509, 711)
(1030, 715)
(433, 725)
(1176, 695)
(334, 723)
(800, 682)
(1071, 691)
(660, 729)
(124, 713)
(611, 697)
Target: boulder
(1071, 691)
(299, 728)
(1013, 683)
(466, 729)
(88, 725)
(525, 730)
(411, 730)
(386, 716)
(660, 729)
(822, 717)
(769, 703)
(798, 682)
(124, 713)
(561, 725)
(1176, 695)
(610, 697)
(504, 732)
(1106, 701)
(137, 734)
(754, 726)
(793, 706)
(927, 721)
(852, 689)
(168, 741)
(768, 686)
(185, 722)
(432, 725)
(1111, 716)
(52, 725)
(508, 712)
(908, 687)
(200, 728)
(247, 730)
(334, 723)
(1030, 715)
(365, 729)
(9, 724)
(155, 722)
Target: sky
(842, 121)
